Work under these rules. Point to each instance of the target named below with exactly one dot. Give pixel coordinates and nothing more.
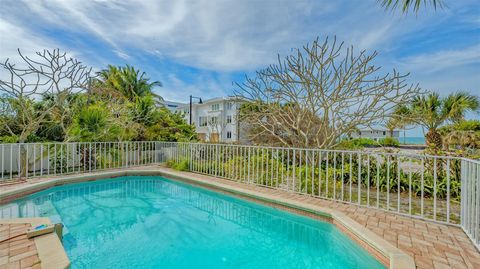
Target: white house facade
(215, 119)
(375, 134)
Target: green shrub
(8, 139)
(182, 165)
(464, 125)
(389, 142)
(356, 143)
(388, 180)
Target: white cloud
(214, 35)
(441, 60)
(122, 54)
(203, 86)
(14, 37)
(224, 36)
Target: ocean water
(412, 140)
(154, 222)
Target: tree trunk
(433, 139)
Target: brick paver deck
(432, 245)
(19, 252)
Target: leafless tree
(319, 94)
(216, 125)
(51, 73)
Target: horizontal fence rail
(23, 161)
(437, 188)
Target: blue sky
(201, 47)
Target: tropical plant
(129, 81)
(181, 165)
(463, 134)
(168, 126)
(389, 142)
(432, 111)
(356, 143)
(393, 123)
(55, 99)
(95, 123)
(406, 5)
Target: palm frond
(407, 5)
(459, 103)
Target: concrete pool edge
(386, 253)
(50, 250)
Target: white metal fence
(22, 161)
(438, 188)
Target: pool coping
(50, 250)
(367, 239)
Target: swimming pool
(155, 222)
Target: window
(229, 135)
(202, 121)
(229, 106)
(215, 107)
(214, 120)
(229, 119)
(384, 133)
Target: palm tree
(128, 81)
(393, 123)
(95, 123)
(431, 111)
(406, 5)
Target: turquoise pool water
(154, 222)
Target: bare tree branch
(319, 94)
(50, 73)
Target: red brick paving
(19, 252)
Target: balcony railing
(437, 188)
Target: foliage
(119, 105)
(8, 139)
(389, 142)
(432, 111)
(406, 5)
(462, 135)
(169, 126)
(467, 125)
(182, 165)
(356, 143)
(127, 80)
(463, 126)
(95, 123)
(270, 168)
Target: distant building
(375, 134)
(172, 106)
(215, 119)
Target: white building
(215, 119)
(375, 134)
(172, 106)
